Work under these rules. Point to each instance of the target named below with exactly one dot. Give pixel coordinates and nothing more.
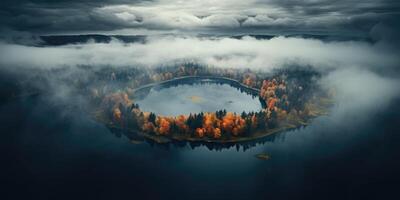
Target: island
(288, 100)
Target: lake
(195, 95)
(51, 150)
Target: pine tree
(261, 119)
(243, 115)
(152, 118)
(249, 124)
(273, 122)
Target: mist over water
(52, 146)
(199, 97)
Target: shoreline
(160, 139)
(145, 88)
(319, 108)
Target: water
(203, 96)
(50, 151)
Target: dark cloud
(355, 14)
(49, 16)
(316, 7)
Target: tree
(198, 120)
(152, 118)
(248, 126)
(190, 122)
(243, 115)
(273, 122)
(220, 114)
(133, 106)
(174, 128)
(261, 119)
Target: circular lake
(195, 95)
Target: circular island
(212, 106)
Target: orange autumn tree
(249, 79)
(210, 125)
(180, 122)
(111, 102)
(233, 124)
(213, 127)
(164, 125)
(147, 125)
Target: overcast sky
(199, 16)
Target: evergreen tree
(174, 128)
(273, 122)
(261, 119)
(190, 121)
(243, 115)
(152, 118)
(249, 123)
(197, 120)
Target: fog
(360, 93)
(226, 52)
(358, 72)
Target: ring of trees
(284, 101)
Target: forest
(284, 97)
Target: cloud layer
(223, 52)
(197, 16)
(361, 72)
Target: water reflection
(53, 151)
(195, 95)
(136, 137)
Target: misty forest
(227, 99)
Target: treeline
(219, 124)
(132, 77)
(282, 95)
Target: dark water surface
(53, 151)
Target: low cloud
(360, 72)
(360, 93)
(223, 52)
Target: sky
(354, 17)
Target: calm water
(53, 151)
(209, 96)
